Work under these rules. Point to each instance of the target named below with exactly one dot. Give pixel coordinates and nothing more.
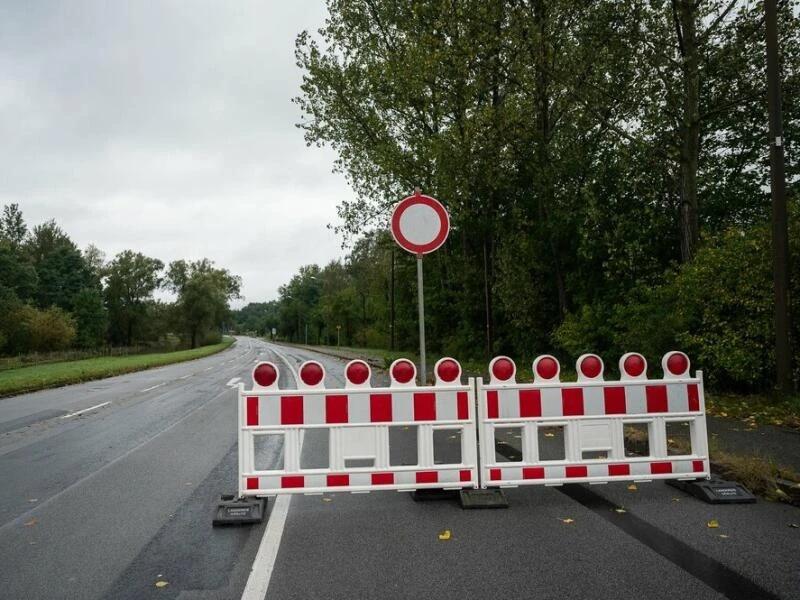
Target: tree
(299, 299)
(90, 317)
(95, 260)
(44, 240)
(63, 273)
(17, 274)
(256, 317)
(12, 227)
(203, 295)
(131, 279)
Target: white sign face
(420, 224)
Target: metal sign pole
(421, 302)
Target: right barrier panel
(550, 432)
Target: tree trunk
(547, 194)
(686, 27)
(487, 289)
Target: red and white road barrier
(547, 432)
(358, 420)
(575, 432)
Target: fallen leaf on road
(676, 499)
(713, 524)
(568, 521)
(620, 510)
(548, 434)
(445, 536)
(632, 487)
(794, 525)
(33, 499)
(327, 499)
(723, 536)
(162, 584)
(31, 523)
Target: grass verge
(756, 410)
(39, 377)
(759, 474)
(762, 476)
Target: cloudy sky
(166, 127)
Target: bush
(719, 309)
(50, 330)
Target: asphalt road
(108, 503)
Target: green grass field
(29, 379)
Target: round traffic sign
(420, 224)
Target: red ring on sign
(591, 366)
(265, 374)
(311, 373)
(448, 370)
(547, 367)
(403, 371)
(403, 241)
(678, 363)
(357, 372)
(634, 365)
(503, 369)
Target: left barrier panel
(401, 437)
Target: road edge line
(264, 563)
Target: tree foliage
(203, 294)
(587, 153)
(55, 297)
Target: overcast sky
(167, 127)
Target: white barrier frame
(573, 468)
(426, 474)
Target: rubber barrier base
(480, 498)
(428, 494)
(239, 511)
(715, 491)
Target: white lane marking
(152, 387)
(264, 564)
(233, 382)
(85, 410)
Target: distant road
(109, 502)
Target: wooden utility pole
(780, 231)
